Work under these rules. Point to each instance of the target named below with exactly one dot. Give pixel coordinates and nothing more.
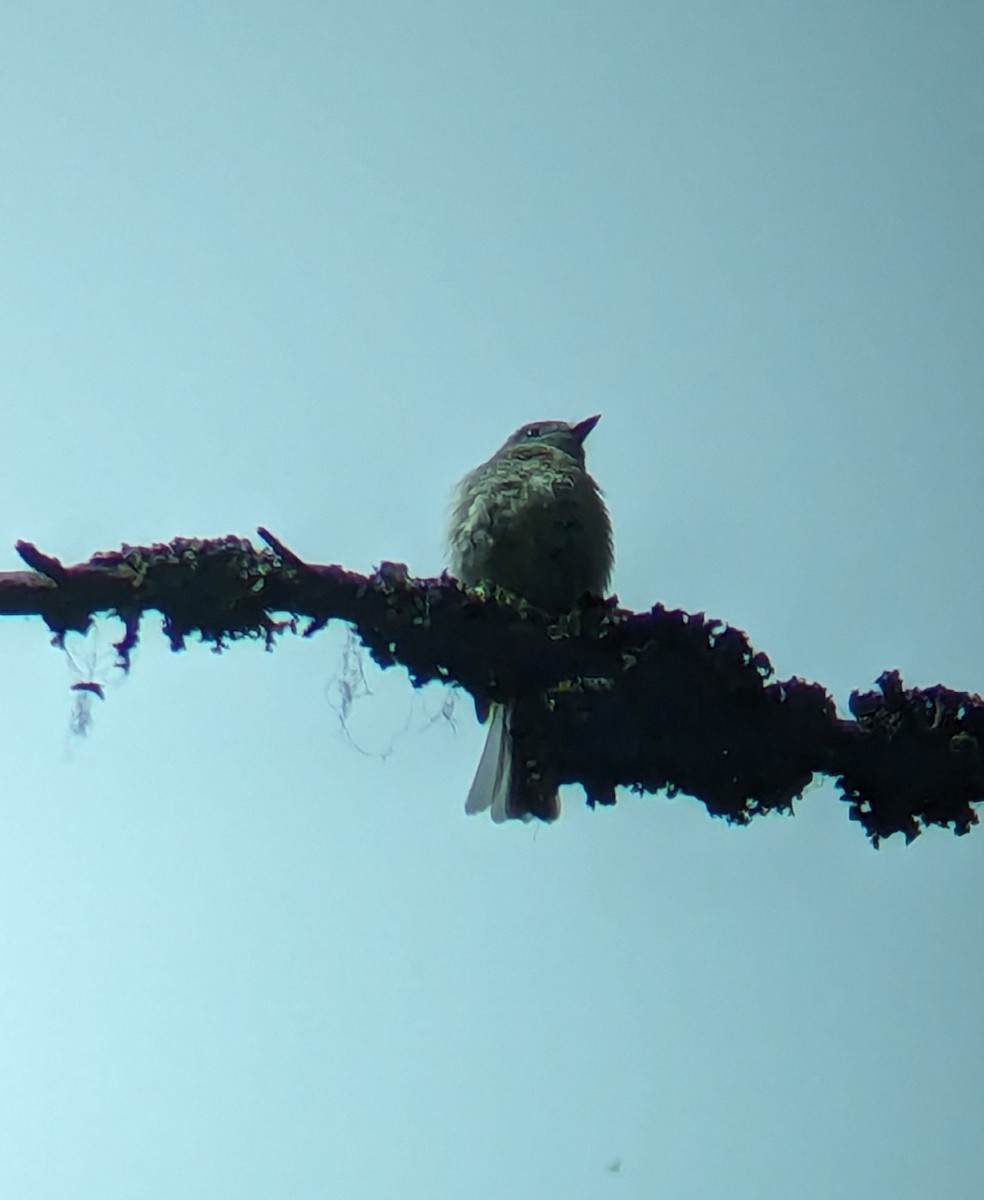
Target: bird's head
(559, 434)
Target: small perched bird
(530, 520)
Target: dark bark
(609, 698)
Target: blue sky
(304, 265)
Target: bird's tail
(502, 784)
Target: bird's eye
(533, 431)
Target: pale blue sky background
(303, 265)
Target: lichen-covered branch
(609, 698)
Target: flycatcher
(530, 520)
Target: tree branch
(663, 700)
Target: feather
(490, 787)
(501, 785)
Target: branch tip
(44, 564)
(287, 556)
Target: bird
(532, 521)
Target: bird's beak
(583, 428)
